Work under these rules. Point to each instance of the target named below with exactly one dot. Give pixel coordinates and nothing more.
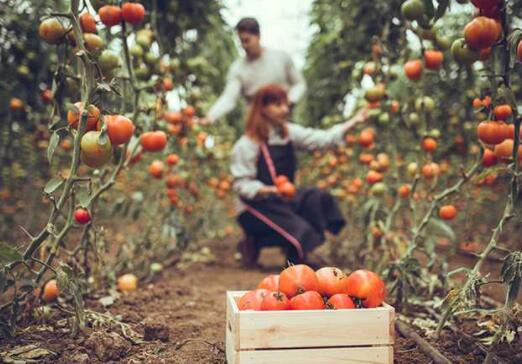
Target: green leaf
(441, 9)
(83, 197)
(3, 280)
(136, 214)
(429, 8)
(514, 38)
(103, 86)
(53, 143)
(118, 205)
(513, 289)
(511, 274)
(439, 227)
(8, 255)
(103, 138)
(53, 185)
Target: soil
(181, 315)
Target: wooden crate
(308, 337)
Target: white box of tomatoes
(317, 336)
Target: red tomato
(133, 13)
(280, 180)
(489, 158)
(82, 216)
(252, 300)
(297, 279)
(331, 281)
(287, 189)
(270, 282)
(503, 112)
(310, 300)
(88, 23)
(110, 15)
(119, 128)
(172, 159)
(340, 301)
(366, 286)
(493, 132)
(156, 168)
(448, 212)
(275, 301)
(153, 141)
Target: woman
(260, 157)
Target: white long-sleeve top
(246, 151)
(246, 76)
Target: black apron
(298, 223)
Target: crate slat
(356, 355)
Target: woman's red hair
(257, 127)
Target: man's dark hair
(249, 25)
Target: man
(260, 66)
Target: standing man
(259, 67)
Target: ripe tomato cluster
(285, 187)
(132, 13)
(299, 287)
(95, 150)
(498, 134)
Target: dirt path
(182, 306)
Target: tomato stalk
(417, 231)
(474, 275)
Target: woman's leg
(248, 247)
(285, 226)
(320, 209)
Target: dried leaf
(69, 283)
(107, 301)
(25, 354)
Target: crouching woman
(263, 165)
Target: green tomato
(384, 119)
(425, 103)
(442, 42)
(108, 61)
(413, 10)
(414, 119)
(463, 54)
(93, 153)
(379, 189)
(136, 51)
(434, 133)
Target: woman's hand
(268, 190)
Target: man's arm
(296, 80)
(228, 99)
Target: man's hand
(361, 116)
